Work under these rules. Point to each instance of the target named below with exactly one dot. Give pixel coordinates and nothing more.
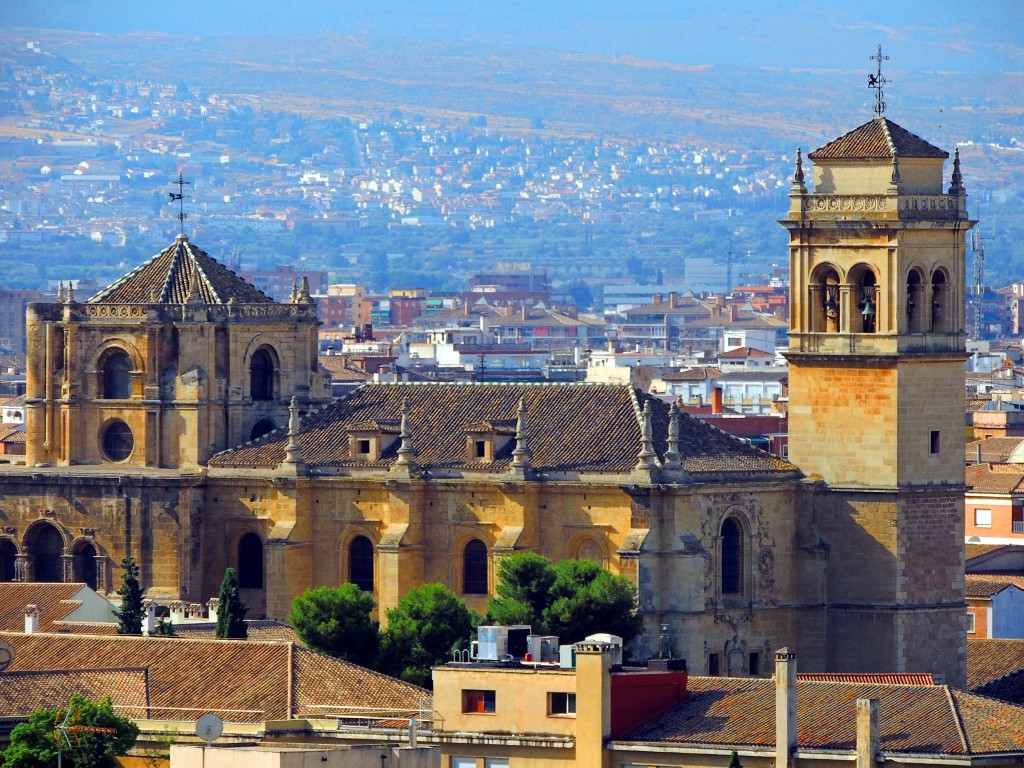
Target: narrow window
(117, 376)
(481, 449)
(477, 701)
(755, 664)
(85, 565)
(360, 563)
(935, 442)
(732, 557)
(560, 703)
(8, 558)
(261, 376)
(363, 447)
(713, 670)
(250, 562)
(970, 623)
(474, 568)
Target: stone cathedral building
(180, 416)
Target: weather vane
(876, 81)
(180, 197)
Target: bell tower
(877, 347)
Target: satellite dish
(6, 656)
(209, 727)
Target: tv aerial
(209, 727)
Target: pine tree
(230, 610)
(131, 614)
(734, 760)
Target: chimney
(979, 452)
(524, 313)
(868, 739)
(177, 612)
(657, 298)
(31, 619)
(732, 313)
(716, 401)
(149, 623)
(212, 605)
(785, 707)
(594, 711)
(673, 300)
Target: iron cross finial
(877, 81)
(180, 197)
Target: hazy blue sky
(932, 35)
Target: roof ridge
(122, 280)
(201, 274)
(961, 729)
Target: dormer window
(370, 440)
(486, 440)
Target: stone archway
(45, 546)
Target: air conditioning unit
(499, 643)
(567, 656)
(543, 647)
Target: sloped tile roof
(917, 719)
(977, 550)
(995, 478)
(167, 279)
(875, 139)
(989, 659)
(244, 681)
(744, 352)
(54, 601)
(989, 584)
(260, 630)
(997, 449)
(572, 428)
(883, 678)
(1009, 688)
(22, 693)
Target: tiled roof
(977, 550)
(261, 630)
(701, 373)
(997, 449)
(744, 352)
(252, 678)
(740, 320)
(988, 584)
(871, 678)
(989, 659)
(878, 138)
(1009, 687)
(12, 433)
(22, 693)
(167, 279)
(54, 601)
(340, 369)
(918, 719)
(572, 428)
(995, 478)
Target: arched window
(825, 301)
(261, 375)
(590, 550)
(915, 302)
(732, 557)
(47, 547)
(117, 376)
(85, 565)
(360, 563)
(474, 568)
(261, 428)
(250, 562)
(8, 558)
(867, 303)
(939, 304)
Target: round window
(118, 441)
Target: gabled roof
(989, 659)
(990, 584)
(744, 352)
(995, 478)
(572, 428)
(54, 601)
(167, 279)
(921, 719)
(259, 680)
(22, 693)
(877, 139)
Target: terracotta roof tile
(54, 601)
(995, 478)
(878, 138)
(977, 550)
(989, 659)
(918, 719)
(1009, 687)
(997, 449)
(245, 681)
(573, 428)
(167, 279)
(988, 584)
(259, 630)
(883, 678)
(22, 693)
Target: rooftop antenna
(180, 197)
(978, 246)
(877, 81)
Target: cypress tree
(230, 609)
(130, 615)
(734, 760)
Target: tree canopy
(131, 614)
(571, 599)
(33, 745)
(230, 608)
(336, 621)
(426, 625)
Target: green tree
(131, 614)
(336, 621)
(571, 599)
(426, 625)
(33, 745)
(734, 760)
(230, 609)
(164, 628)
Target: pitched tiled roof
(54, 601)
(977, 550)
(340, 369)
(701, 373)
(882, 678)
(919, 719)
(22, 693)
(167, 279)
(878, 138)
(989, 659)
(744, 352)
(261, 630)
(988, 584)
(572, 428)
(1009, 687)
(997, 449)
(995, 478)
(254, 679)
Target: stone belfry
(178, 360)
(877, 347)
